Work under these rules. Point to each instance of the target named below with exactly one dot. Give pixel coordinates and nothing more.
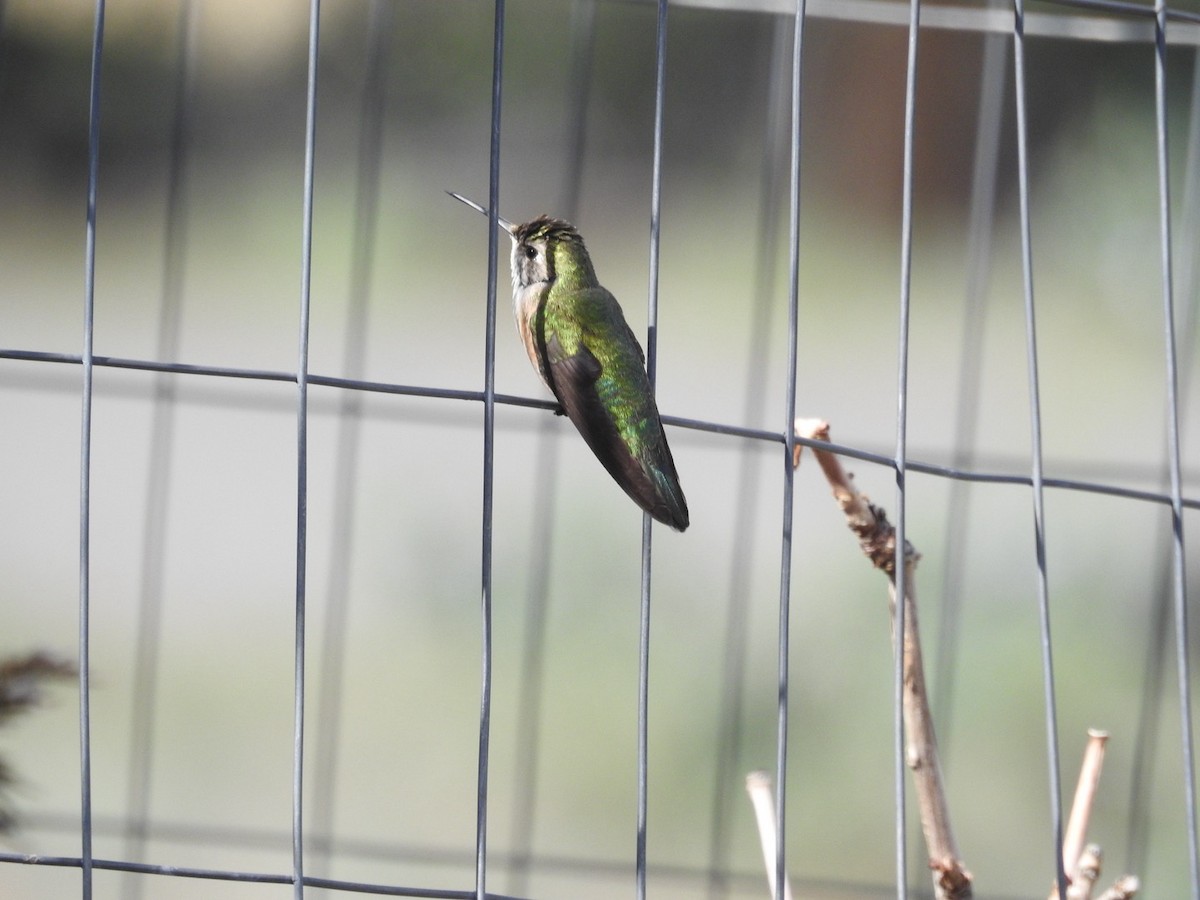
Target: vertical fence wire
(1174, 465)
(489, 440)
(906, 235)
(1163, 597)
(158, 475)
(728, 738)
(310, 142)
(643, 707)
(789, 469)
(546, 469)
(85, 460)
(350, 415)
(1035, 417)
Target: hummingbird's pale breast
(530, 287)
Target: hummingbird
(585, 352)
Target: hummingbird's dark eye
(530, 252)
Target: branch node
(1124, 888)
(952, 880)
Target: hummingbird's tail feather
(671, 508)
(650, 482)
(652, 485)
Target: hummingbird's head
(547, 250)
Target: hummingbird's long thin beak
(504, 223)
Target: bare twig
(877, 538)
(1084, 865)
(758, 786)
(1085, 796)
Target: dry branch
(1083, 864)
(1085, 796)
(877, 538)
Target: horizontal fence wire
(693, 424)
(1109, 20)
(825, 887)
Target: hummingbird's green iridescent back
(578, 340)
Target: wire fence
(314, 836)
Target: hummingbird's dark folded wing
(626, 437)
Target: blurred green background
(403, 786)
